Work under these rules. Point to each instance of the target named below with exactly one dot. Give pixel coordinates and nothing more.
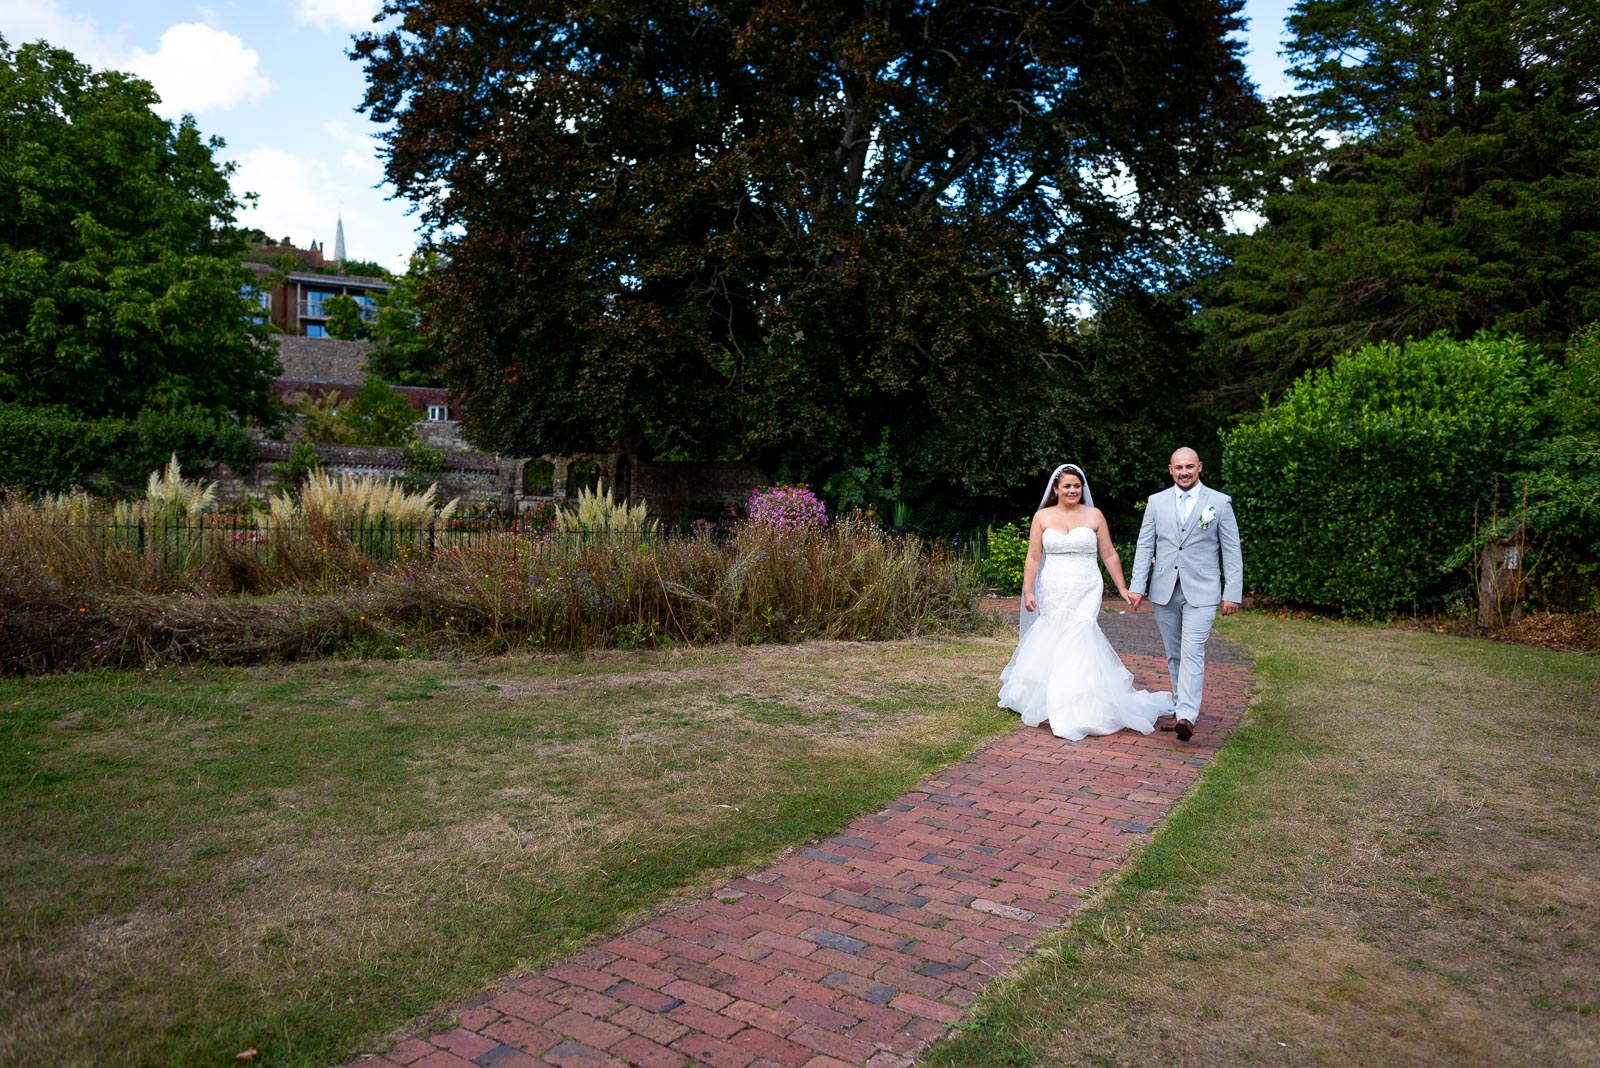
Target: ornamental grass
(599, 513)
(73, 595)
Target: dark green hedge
(46, 450)
(1355, 492)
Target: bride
(1064, 671)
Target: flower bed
(512, 591)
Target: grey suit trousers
(1184, 629)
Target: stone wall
(477, 478)
(441, 435)
(320, 359)
(314, 366)
(680, 492)
(677, 493)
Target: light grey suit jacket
(1206, 558)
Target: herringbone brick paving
(864, 948)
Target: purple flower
(786, 508)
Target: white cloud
(303, 197)
(195, 69)
(337, 14)
(200, 69)
(291, 202)
(23, 21)
(359, 157)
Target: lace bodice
(1069, 576)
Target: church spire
(338, 243)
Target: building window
(259, 297)
(438, 413)
(317, 330)
(315, 303)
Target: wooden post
(1500, 583)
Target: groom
(1191, 532)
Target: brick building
(298, 283)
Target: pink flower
(786, 508)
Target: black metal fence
(186, 542)
(248, 545)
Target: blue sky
(271, 78)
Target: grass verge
(300, 859)
(1395, 860)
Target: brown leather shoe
(1185, 729)
(1168, 722)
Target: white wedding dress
(1064, 671)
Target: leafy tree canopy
(344, 317)
(363, 268)
(321, 422)
(377, 415)
(403, 348)
(121, 286)
(777, 229)
(1135, 364)
(1443, 175)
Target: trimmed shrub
(50, 450)
(1357, 490)
(1008, 552)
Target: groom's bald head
(1184, 468)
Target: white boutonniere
(1207, 516)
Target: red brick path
(864, 948)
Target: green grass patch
(1393, 861)
(302, 859)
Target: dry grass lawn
(300, 859)
(1396, 861)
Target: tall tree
(403, 349)
(776, 229)
(1445, 176)
(121, 283)
(1137, 363)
